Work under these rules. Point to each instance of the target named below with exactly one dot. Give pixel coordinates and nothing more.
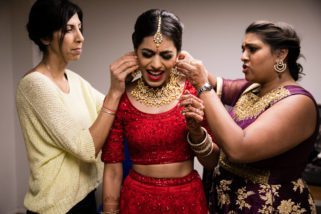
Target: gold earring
(174, 71)
(136, 73)
(279, 66)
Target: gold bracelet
(197, 144)
(106, 108)
(201, 151)
(108, 111)
(201, 147)
(212, 147)
(197, 148)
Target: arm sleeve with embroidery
(113, 149)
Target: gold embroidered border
(250, 105)
(255, 175)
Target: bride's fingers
(190, 100)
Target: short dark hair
(147, 23)
(48, 16)
(280, 35)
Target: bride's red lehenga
(154, 139)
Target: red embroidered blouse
(152, 138)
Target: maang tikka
(158, 37)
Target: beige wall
(213, 32)
(15, 59)
(7, 128)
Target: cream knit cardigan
(60, 148)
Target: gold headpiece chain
(158, 37)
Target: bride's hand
(193, 112)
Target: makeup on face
(156, 62)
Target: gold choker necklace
(159, 96)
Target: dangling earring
(279, 66)
(133, 76)
(174, 71)
(136, 74)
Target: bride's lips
(154, 75)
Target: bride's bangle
(197, 144)
(203, 148)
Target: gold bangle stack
(204, 148)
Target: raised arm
(277, 130)
(118, 73)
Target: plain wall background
(213, 33)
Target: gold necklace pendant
(159, 96)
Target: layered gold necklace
(158, 96)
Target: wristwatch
(205, 87)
